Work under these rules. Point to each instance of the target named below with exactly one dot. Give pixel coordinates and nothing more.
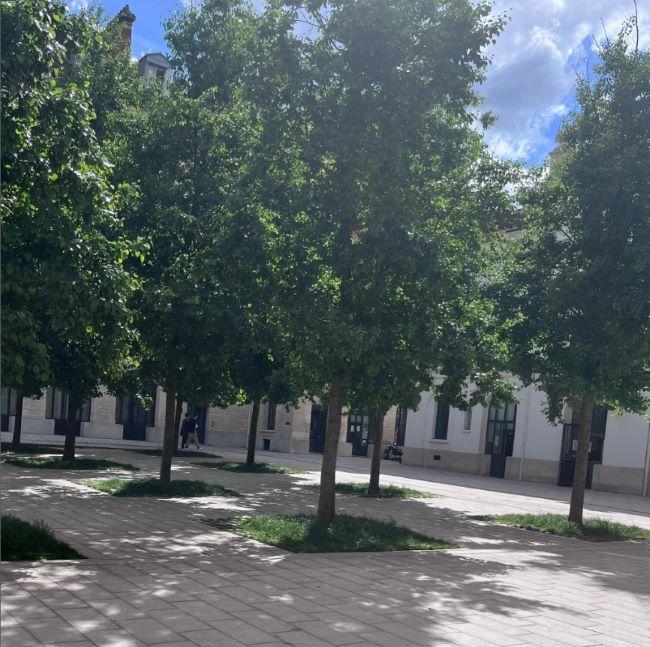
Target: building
(516, 441)
(282, 428)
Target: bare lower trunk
(377, 430)
(169, 436)
(327, 494)
(177, 422)
(71, 431)
(582, 458)
(18, 423)
(252, 432)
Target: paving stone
(503, 587)
(52, 630)
(212, 638)
(112, 638)
(17, 637)
(149, 630)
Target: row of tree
(309, 211)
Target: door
(400, 426)
(8, 406)
(133, 417)
(317, 426)
(500, 436)
(570, 446)
(358, 433)
(56, 407)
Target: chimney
(125, 18)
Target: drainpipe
(646, 469)
(526, 418)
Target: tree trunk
(71, 430)
(327, 494)
(177, 422)
(377, 430)
(252, 432)
(582, 457)
(169, 437)
(18, 423)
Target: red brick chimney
(125, 18)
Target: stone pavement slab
(157, 575)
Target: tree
(381, 187)
(187, 157)
(577, 292)
(401, 196)
(64, 285)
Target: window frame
(441, 422)
(271, 414)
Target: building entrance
(358, 433)
(317, 426)
(570, 446)
(133, 417)
(500, 436)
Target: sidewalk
(157, 575)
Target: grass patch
(153, 487)
(22, 541)
(32, 449)
(385, 491)
(300, 534)
(56, 463)
(255, 468)
(556, 524)
(181, 452)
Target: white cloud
(532, 76)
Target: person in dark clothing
(187, 428)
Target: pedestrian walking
(187, 427)
(192, 437)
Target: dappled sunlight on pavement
(158, 574)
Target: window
(442, 420)
(467, 420)
(8, 401)
(56, 406)
(270, 416)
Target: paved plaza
(157, 575)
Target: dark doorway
(8, 406)
(133, 417)
(358, 433)
(570, 446)
(400, 426)
(56, 407)
(317, 427)
(500, 436)
(200, 414)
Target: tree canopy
(64, 287)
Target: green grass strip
(32, 449)
(385, 491)
(255, 468)
(56, 463)
(154, 488)
(301, 534)
(23, 541)
(556, 524)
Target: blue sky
(534, 62)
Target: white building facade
(516, 441)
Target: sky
(530, 82)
